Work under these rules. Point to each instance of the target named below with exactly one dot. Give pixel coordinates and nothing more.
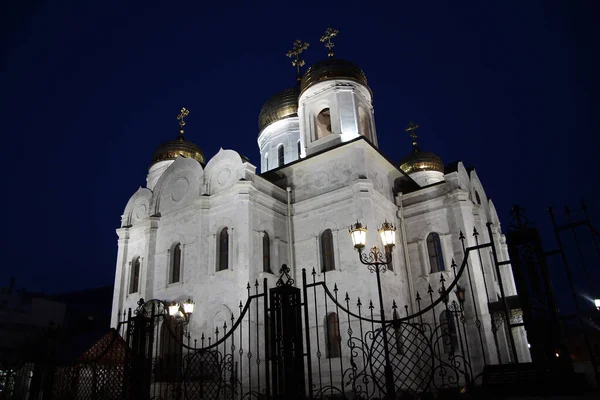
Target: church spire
(329, 34)
(411, 130)
(181, 118)
(297, 62)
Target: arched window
(175, 264)
(134, 280)
(334, 338)
(434, 249)
(477, 198)
(398, 340)
(223, 250)
(171, 345)
(363, 121)
(280, 156)
(323, 123)
(266, 246)
(448, 330)
(327, 259)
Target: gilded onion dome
(421, 161)
(333, 68)
(281, 106)
(179, 147)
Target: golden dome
(421, 161)
(178, 147)
(333, 68)
(282, 105)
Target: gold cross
(181, 118)
(329, 34)
(298, 48)
(411, 130)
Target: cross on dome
(181, 118)
(411, 130)
(329, 34)
(298, 48)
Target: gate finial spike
(418, 298)
(461, 236)
(371, 304)
(475, 233)
(358, 303)
(347, 298)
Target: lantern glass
(188, 306)
(597, 303)
(388, 234)
(359, 235)
(174, 310)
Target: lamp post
(597, 303)
(377, 262)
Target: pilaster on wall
(120, 276)
(147, 288)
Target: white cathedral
(202, 229)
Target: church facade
(202, 229)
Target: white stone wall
(190, 205)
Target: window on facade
(323, 123)
(448, 329)
(327, 251)
(280, 156)
(134, 284)
(175, 264)
(434, 249)
(477, 198)
(299, 149)
(493, 266)
(171, 340)
(398, 340)
(333, 336)
(266, 245)
(223, 250)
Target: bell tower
(335, 104)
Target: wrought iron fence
(309, 340)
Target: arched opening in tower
(323, 123)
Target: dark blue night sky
(89, 89)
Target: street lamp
(188, 306)
(597, 303)
(174, 309)
(378, 262)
